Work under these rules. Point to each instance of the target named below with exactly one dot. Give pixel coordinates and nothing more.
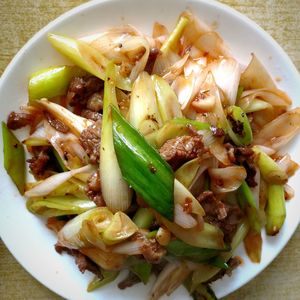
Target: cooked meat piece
(152, 251)
(243, 153)
(251, 172)
(151, 59)
(81, 88)
(129, 281)
(54, 224)
(93, 189)
(92, 115)
(38, 163)
(90, 140)
(56, 124)
(95, 101)
(243, 156)
(233, 263)
(223, 215)
(18, 120)
(82, 261)
(212, 206)
(181, 149)
(216, 131)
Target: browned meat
(92, 115)
(233, 263)
(90, 140)
(151, 59)
(93, 189)
(55, 224)
(152, 251)
(243, 153)
(81, 88)
(38, 163)
(212, 206)
(237, 126)
(95, 101)
(56, 124)
(18, 120)
(217, 131)
(82, 261)
(251, 172)
(243, 156)
(129, 281)
(225, 216)
(181, 149)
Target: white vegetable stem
(51, 183)
(115, 190)
(76, 123)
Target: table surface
(19, 20)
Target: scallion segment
(142, 167)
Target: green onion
(275, 211)
(218, 262)
(142, 167)
(108, 276)
(52, 82)
(175, 36)
(59, 205)
(14, 158)
(174, 128)
(196, 254)
(86, 57)
(143, 218)
(141, 268)
(269, 170)
(238, 116)
(115, 190)
(167, 100)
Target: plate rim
(78, 9)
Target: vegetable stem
(14, 158)
(143, 218)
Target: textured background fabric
(20, 19)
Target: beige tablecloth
(20, 19)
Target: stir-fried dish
(157, 154)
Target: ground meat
(56, 124)
(237, 126)
(38, 163)
(129, 281)
(93, 189)
(217, 131)
(151, 59)
(152, 251)
(82, 261)
(251, 172)
(90, 139)
(233, 263)
(181, 149)
(92, 115)
(18, 120)
(81, 88)
(223, 215)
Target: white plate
(26, 235)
